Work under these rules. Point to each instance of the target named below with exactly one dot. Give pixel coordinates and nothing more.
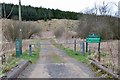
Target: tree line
(10, 11)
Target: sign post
(86, 46)
(18, 48)
(99, 51)
(93, 38)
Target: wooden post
(20, 19)
(20, 10)
(3, 58)
(20, 37)
(118, 71)
(99, 52)
(1, 13)
(75, 44)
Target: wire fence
(108, 51)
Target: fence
(108, 51)
(8, 50)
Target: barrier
(14, 73)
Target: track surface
(54, 63)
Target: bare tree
(93, 10)
(102, 9)
(89, 11)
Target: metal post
(17, 48)
(30, 50)
(99, 52)
(82, 48)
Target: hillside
(49, 26)
(105, 26)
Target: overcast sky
(65, 5)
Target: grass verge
(33, 58)
(79, 57)
(13, 61)
(74, 54)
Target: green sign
(93, 38)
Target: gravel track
(64, 67)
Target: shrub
(59, 32)
(11, 30)
(105, 26)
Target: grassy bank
(13, 61)
(33, 58)
(74, 54)
(83, 58)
